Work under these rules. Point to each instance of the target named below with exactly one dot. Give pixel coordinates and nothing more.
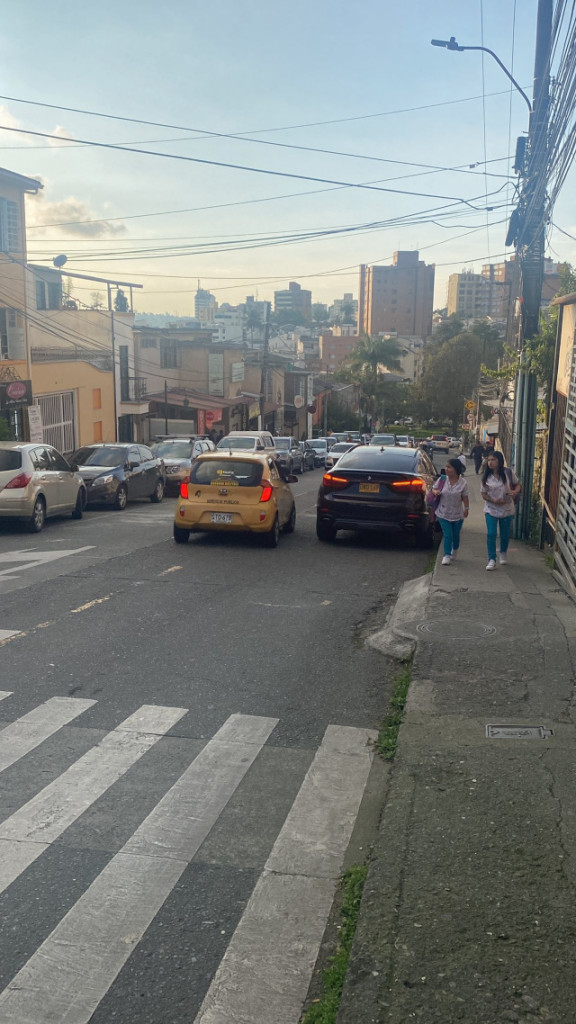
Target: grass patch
(325, 1009)
(388, 735)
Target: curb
(395, 639)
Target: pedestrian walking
(477, 453)
(500, 487)
(452, 508)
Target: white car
(335, 453)
(36, 481)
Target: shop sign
(201, 421)
(15, 393)
(211, 417)
(35, 423)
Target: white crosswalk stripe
(265, 972)
(27, 833)
(28, 732)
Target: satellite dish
(59, 261)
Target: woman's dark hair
(499, 472)
(456, 466)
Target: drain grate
(518, 732)
(456, 629)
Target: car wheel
(424, 535)
(325, 531)
(80, 504)
(121, 498)
(272, 538)
(158, 492)
(38, 517)
(291, 524)
(181, 536)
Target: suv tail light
(184, 490)
(414, 485)
(22, 480)
(332, 482)
(267, 492)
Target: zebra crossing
(266, 968)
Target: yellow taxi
(236, 492)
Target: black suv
(289, 454)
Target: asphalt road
(172, 824)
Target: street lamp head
(450, 44)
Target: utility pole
(265, 359)
(529, 229)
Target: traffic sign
(470, 405)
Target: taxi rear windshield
(227, 473)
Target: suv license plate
(369, 488)
(221, 517)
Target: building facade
(334, 348)
(294, 299)
(397, 299)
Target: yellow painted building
(77, 402)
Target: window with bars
(58, 427)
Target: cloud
(73, 217)
(15, 140)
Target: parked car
(320, 447)
(336, 452)
(247, 441)
(36, 481)
(375, 488)
(308, 453)
(439, 443)
(403, 441)
(383, 440)
(178, 454)
(289, 454)
(117, 473)
(455, 445)
(236, 493)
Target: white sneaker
(447, 559)
(503, 559)
(491, 565)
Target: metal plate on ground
(518, 732)
(456, 629)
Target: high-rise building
(397, 299)
(294, 299)
(205, 306)
(474, 296)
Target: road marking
(28, 732)
(29, 831)
(5, 634)
(72, 970)
(174, 568)
(90, 604)
(5, 693)
(31, 558)
(266, 970)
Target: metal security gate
(566, 520)
(58, 421)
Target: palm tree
(253, 321)
(367, 364)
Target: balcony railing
(133, 389)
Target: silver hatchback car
(36, 482)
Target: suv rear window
(10, 460)
(227, 473)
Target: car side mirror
(133, 465)
(74, 467)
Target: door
(67, 481)
(135, 473)
(281, 493)
(150, 471)
(47, 478)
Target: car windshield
(240, 443)
(401, 439)
(173, 449)
(383, 439)
(226, 473)
(282, 442)
(112, 457)
(320, 445)
(342, 447)
(10, 459)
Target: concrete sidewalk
(469, 910)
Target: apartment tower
(397, 299)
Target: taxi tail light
(184, 489)
(22, 480)
(412, 486)
(332, 482)
(267, 492)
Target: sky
(429, 133)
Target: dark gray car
(117, 473)
(178, 454)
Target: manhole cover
(456, 629)
(518, 732)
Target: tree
(449, 329)
(253, 321)
(366, 366)
(451, 374)
(319, 314)
(287, 316)
(120, 302)
(96, 300)
(347, 313)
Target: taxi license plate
(369, 488)
(221, 517)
